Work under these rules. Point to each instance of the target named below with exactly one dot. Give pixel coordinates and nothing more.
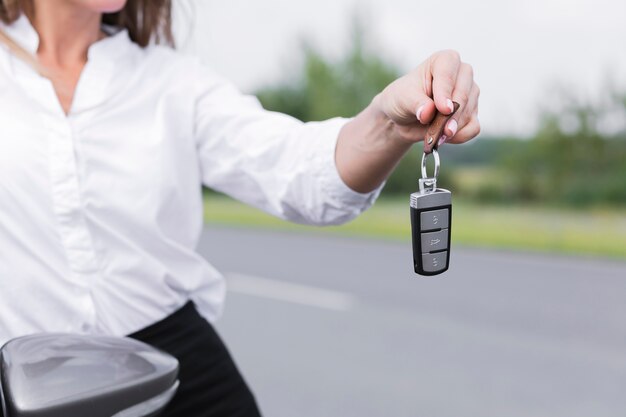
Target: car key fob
(431, 208)
(431, 221)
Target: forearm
(368, 150)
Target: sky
(523, 52)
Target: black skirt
(210, 383)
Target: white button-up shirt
(101, 209)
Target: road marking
(290, 292)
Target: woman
(106, 140)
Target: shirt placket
(72, 225)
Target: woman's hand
(412, 101)
(371, 145)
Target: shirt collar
(22, 32)
(105, 58)
(112, 47)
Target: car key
(431, 210)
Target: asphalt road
(327, 326)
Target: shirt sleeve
(270, 160)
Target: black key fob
(431, 221)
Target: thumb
(425, 110)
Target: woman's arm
(269, 160)
(371, 145)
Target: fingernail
(418, 113)
(450, 105)
(453, 126)
(442, 140)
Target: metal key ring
(437, 164)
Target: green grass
(592, 232)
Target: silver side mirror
(55, 375)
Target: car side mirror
(58, 375)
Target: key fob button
(434, 262)
(435, 241)
(433, 220)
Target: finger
(405, 100)
(444, 70)
(425, 109)
(461, 94)
(470, 131)
(471, 113)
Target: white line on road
(290, 292)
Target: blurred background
(531, 318)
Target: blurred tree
(328, 88)
(573, 159)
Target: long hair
(146, 21)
